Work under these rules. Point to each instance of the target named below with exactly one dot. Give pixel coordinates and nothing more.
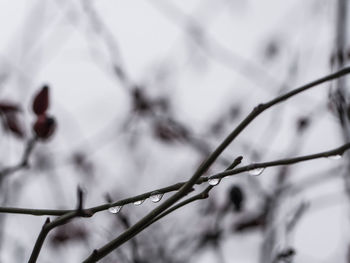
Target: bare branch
(139, 226)
(34, 212)
(182, 188)
(47, 227)
(337, 151)
(23, 163)
(91, 211)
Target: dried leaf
(68, 233)
(11, 124)
(6, 107)
(210, 238)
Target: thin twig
(47, 227)
(34, 212)
(23, 163)
(298, 213)
(93, 210)
(337, 151)
(203, 195)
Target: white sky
(52, 42)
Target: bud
(302, 124)
(41, 101)
(44, 126)
(13, 125)
(236, 196)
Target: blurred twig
(23, 163)
(337, 151)
(214, 49)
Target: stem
(47, 227)
(337, 151)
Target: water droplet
(115, 209)
(156, 197)
(335, 157)
(139, 202)
(257, 171)
(214, 181)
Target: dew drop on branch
(156, 197)
(257, 171)
(139, 202)
(115, 209)
(334, 157)
(214, 181)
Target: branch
(337, 151)
(66, 215)
(47, 227)
(34, 212)
(183, 188)
(203, 195)
(298, 213)
(139, 226)
(23, 162)
(91, 211)
(96, 209)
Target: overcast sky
(206, 56)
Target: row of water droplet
(155, 197)
(255, 172)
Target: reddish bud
(41, 101)
(44, 126)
